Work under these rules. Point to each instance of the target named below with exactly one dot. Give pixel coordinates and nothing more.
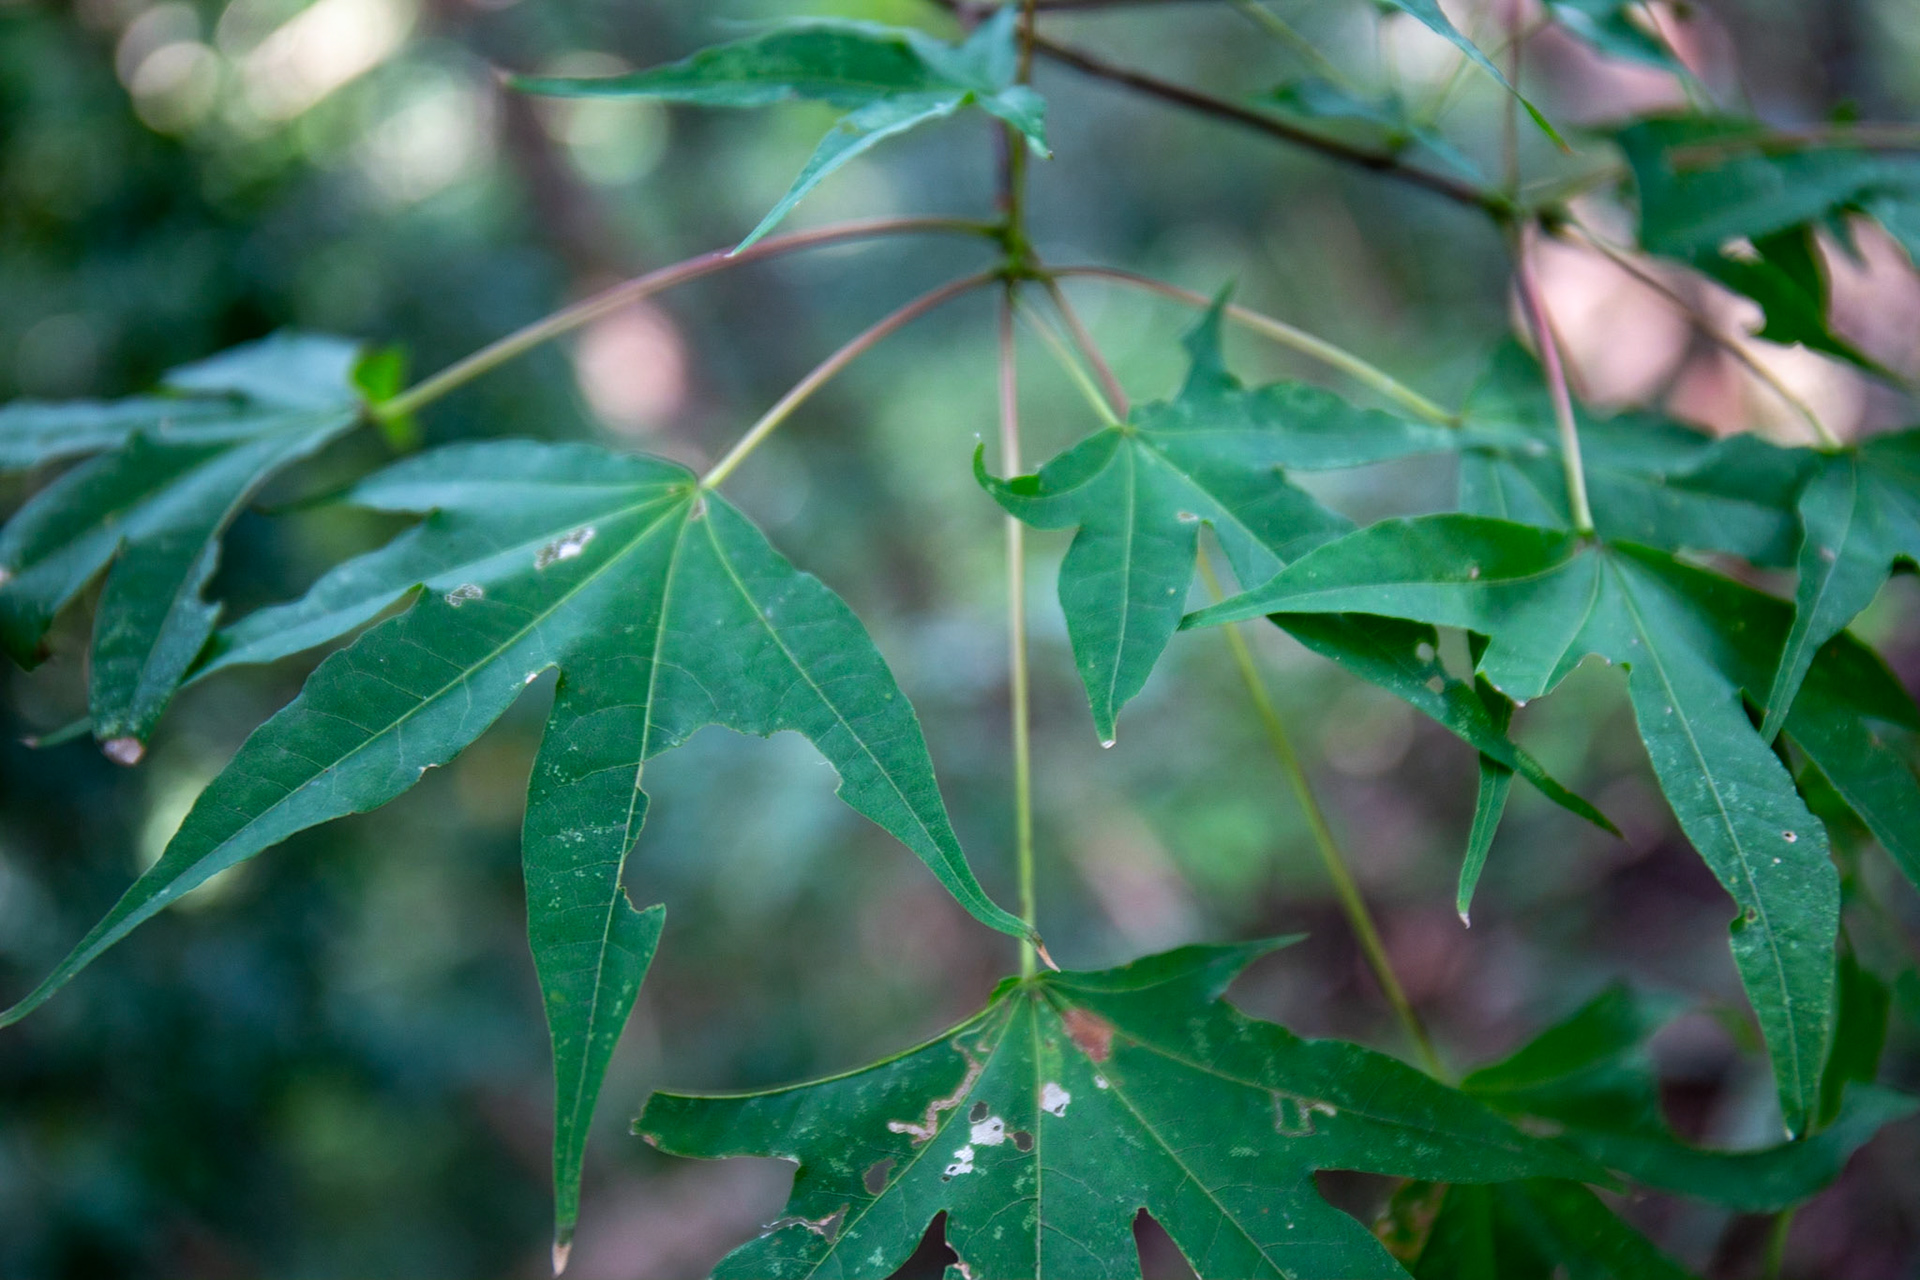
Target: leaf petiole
(1284, 334)
(1352, 903)
(607, 301)
(1548, 346)
(825, 371)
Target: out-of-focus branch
(1386, 163)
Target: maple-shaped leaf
(664, 609)
(1591, 1080)
(1690, 642)
(1650, 480)
(1861, 515)
(1704, 181)
(172, 471)
(1522, 1231)
(887, 79)
(1741, 207)
(1045, 1123)
(1216, 455)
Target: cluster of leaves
(1043, 1124)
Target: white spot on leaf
(1054, 1099)
(962, 1163)
(464, 592)
(564, 548)
(990, 1132)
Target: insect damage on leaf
(1211, 1121)
(660, 619)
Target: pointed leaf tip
(562, 1249)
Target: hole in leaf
(1023, 1140)
(980, 1112)
(876, 1175)
(1160, 1257)
(930, 1260)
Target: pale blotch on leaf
(1054, 1099)
(464, 592)
(990, 1132)
(564, 548)
(962, 1163)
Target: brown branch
(1387, 163)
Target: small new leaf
(888, 79)
(171, 473)
(665, 611)
(1044, 1124)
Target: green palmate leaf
(1614, 28)
(1592, 1080)
(1545, 600)
(1216, 455)
(1706, 183)
(1396, 126)
(1861, 516)
(1785, 275)
(1044, 1124)
(665, 611)
(1650, 480)
(887, 79)
(172, 472)
(1430, 15)
(1527, 1230)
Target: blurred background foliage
(331, 1061)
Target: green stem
(1777, 1234)
(1116, 394)
(1065, 358)
(825, 371)
(587, 310)
(1352, 903)
(1286, 335)
(1017, 638)
(1536, 314)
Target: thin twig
(1017, 637)
(1063, 355)
(833, 364)
(1286, 335)
(1704, 325)
(1536, 315)
(607, 301)
(1116, 394)
(1352, 903)
(1386, 163)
